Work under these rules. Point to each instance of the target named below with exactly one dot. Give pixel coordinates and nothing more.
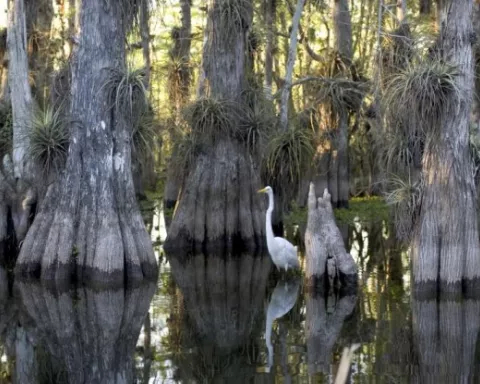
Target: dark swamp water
(234, 320)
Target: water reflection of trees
(219, 327)
(325, 319)
(445, 333)
(79, 336)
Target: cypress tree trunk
(425, 7)
(292, 54)
(343, 43)
(270, 15)
(39, 25)
(89, 224)
(218, 203)
(17, 189)
(178, 97)
(445, 246)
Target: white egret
(283, 253)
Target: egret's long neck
(269, 217)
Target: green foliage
(257, 120)
(365, 210)
(49, 137)
(143, 134)
(234, 15)
(421, 94)
(341, 93)
(398, 147)
(185, 152)
(178, 72)
(127, 91)
(289, 154)
(405, 197)
(211, 118)
(397, 49)
(6, 130)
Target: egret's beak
(263, 190)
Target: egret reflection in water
(283, 299)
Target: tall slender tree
(179, 86)
(343, 44)
(16, 179)
(89, 225)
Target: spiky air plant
(289, 153)
(257, 120)
(127, 91)
(211, 118)
(405, 198)
(419, 96)
(341, 93)
(49, 137)
(234, 15)
(144, 132)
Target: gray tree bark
(178, 98)
(343, 44)
(218, 202)
(21, 95)
(292, 54)
(445, 247)
(17, 180)
(89, 225)
(39, 17)
(270, 16)
(323, 241)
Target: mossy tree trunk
(39, 19)
(218, 203)
(343, 44)
(144, 170)
(445, 246)
(89, 225)
(16, 180)
(179, 88)
(270, 8)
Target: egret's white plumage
(283, 253)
